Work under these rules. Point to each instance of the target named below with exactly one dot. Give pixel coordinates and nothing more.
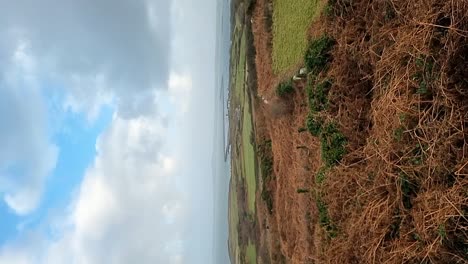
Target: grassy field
(291, 19)
(240, 69)
(233, 222)
(249, 156)
(243, 178)
(251, 254)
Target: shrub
(320, 177)
(318, 54)
(318, 95)
(314, 124)
(332, 144)
(266, 196)
(324, 218)
(284, 89)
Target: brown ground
(399, 136)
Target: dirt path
(289, 233)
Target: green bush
(314, 125)
(324, 218)
(332, 144)
(320, 177)
(266, 196)
(318, 95)
(285, 88)
(318, 54)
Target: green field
(243, 178)
(233, 222)
(249, 156)
(291, 20)
(241, 98)
(251, 254)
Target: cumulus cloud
(97, 49)
(128, 208)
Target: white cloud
(128, 209)
(180, 89)
(27, 155)
(97, 50)
(104, 52)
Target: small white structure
(302, 74)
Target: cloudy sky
(100, 103)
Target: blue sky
(76, 139)
(107, 128)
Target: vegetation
(251, 254)
(301, 190)
(332, 144)
(318, 95)
(285, 88)
(266, 165)
(324, 218)
(314, 124)
(318, 54)
(291, 20)
(249, 156)
(320, 177)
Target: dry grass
(400, 195)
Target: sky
(107, 121)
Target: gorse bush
(332, 144)
(314, 124)
(318, 55)
(318, 95)
(324, 218)
(285, 88)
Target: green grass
(240, 69)
(291, 20)
(248, 154)
(234, 220)
(251, 254)
(240, 94)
